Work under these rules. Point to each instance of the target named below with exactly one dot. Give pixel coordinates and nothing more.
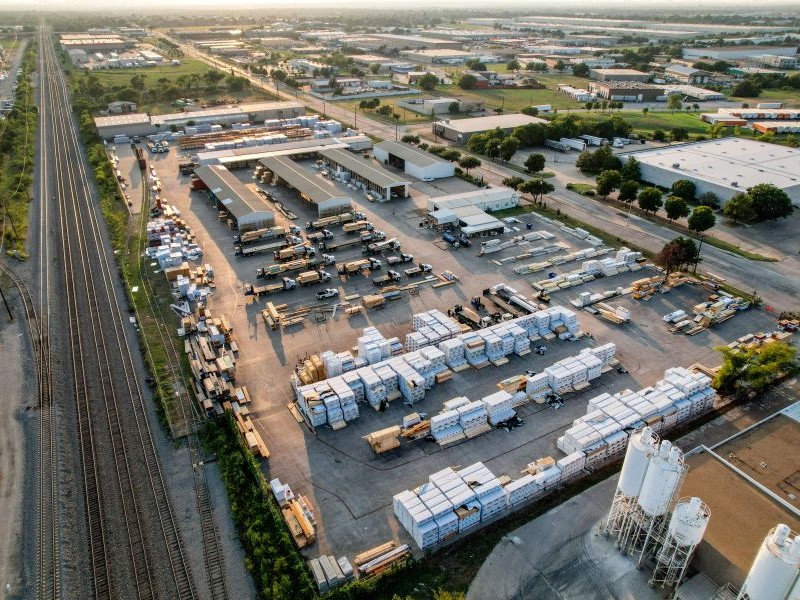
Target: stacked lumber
(248, 431)
(379, 559)
(384, 440)
(297, 513)
(312, 370)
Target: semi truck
(285, 283)
(318, 236)
(399, 258)
(390, 277)
(294, 252)
(418, 270)
(356, 226)
(311, 277)
(251, 237)
(372, 236)
(334, 220)
(359, 265)
(140, 158)
(579, 145)
(303, 264)
(379, 247)
(470, 317)
(253, 249)
(556, 145)
(340, 245)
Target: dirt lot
(350, 488)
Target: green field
(790, 97)
(122, 77)
(647, 123)
(8, 44)
(406, 116)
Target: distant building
(121, 107)
(687, 75)
(438, 55)
(738, 52)
(778, 62)
(438, 106)
(618, 75)
(78, 56)
(627, 91)
(398, 42)
(460, 130)
(418, 163)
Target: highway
(119, 533)
(777, 283)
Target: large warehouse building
(417, 163)
(310, 185)
(724, 166)
(365, 174)
(460, 130)
(245, 209)
(469, 211)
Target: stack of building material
(436, 501)
(384, 561)
(297, 514)
(453, 350)
(389, 380)
(488, 489)
(445, 428)
(374, 390)
(384, 440)
(346, 396)
(410, 383)
(430, 328)
(475, 350)
(373, 347)
(520, 490)
(571, 465)
(473, 418)
(498, 407)
(538, 387)
(547, 478)
(328, 572)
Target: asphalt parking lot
(351, 488)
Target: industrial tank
(775, 569)
(689, 521)
(662, 479)
(642, 446)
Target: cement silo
(645, 528)
(684, 532)
(641, 447)
(774, 573)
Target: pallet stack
(297, 513)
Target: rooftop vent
(735, 183)
(676, 165)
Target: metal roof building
(724, 166)
(468, 210)
(422, 165)
(125, 124)
(311, 186)
(244, 207)
(363, 173)
(240, 113)
(460, 130)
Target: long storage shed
(310, 185)
(418, 163)
(244, 207)
(369, 176)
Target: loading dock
(364, 173)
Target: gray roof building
(361, 171)
(311, 186)
(243, 205)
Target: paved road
(8, 84)
(778, 283)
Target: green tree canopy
(607, 182)
(740, 208)
(534, 163)
(650, 199)
(676, 208)
(677, 254)
(628, 190)
(631, 170)
(536, 188)
(702, 219)
(684, 188)
(469, 162)
(770, 202)
(428, 81)
(467, 82)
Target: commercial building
(439, 106)
(256, 112)
(92, 43)
(778, 62)
(311, 186)
(121, 107)
(738, 52)
(577, 94)
(245, 209)
(418, 163)
(124, 124)
(462, 129)
(691, 92)
(469, 210)
(364, 174)
(399, 42)
(687, 75)
(438, 55)
(618, 75)
(627, 91)
(723, 166)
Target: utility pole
(8, 310)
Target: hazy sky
(161, 5)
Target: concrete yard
(350, 488)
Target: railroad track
(134, 543)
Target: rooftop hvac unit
(735, 183)
(773, 574)
(676, 165)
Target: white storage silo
(642, 445)
(661, 481)
(684, 532)
(775, 569)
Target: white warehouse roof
(730, 165)
(410, 153)
(239, 200)
(480, 124)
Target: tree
(469, 162)
(450, 154)
(740, 208)
(677, 254)
(607, 182)
(708, 199)
(428, 82)
(702, 219)
(678, 134)
(513, 182)
(454, 107)
(674, 102)
(537, 188)
(770, 202)
(676, 208)
(385, 110)
(659, 136)
(559, 66)
(628, 190)
(508, 148)
(631, 170)
(684, 188)
(580, 70)
(650, 199)
(410, 138)
(645, 110)
(534, 163)
(715, 130)
(513, 65)
(467, 82)
(755, 368)
(539, 67)
(374, 68)
(603, 159)
(746, 89)
(589, 105)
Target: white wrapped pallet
(449, 435)
(571, 464)
(617, 442)
(548, 478)
(498, 407)
(455, 403)
(356, 385)
(537, 383)
(443, 420)
(447, 523)
(473, 418)
(520, 490)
